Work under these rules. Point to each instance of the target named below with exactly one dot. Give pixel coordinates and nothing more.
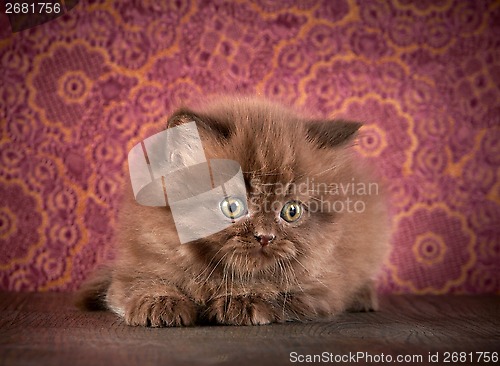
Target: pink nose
(264, 239)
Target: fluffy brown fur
(316, 267)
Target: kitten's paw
(160, 311)
(364, 300)
(306, 307)
(242, 310)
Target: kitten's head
(290, 166)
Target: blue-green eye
(233, 207)
(291, 211)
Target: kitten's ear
(332, 133)
(217, 128)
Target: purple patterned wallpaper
(78, 92)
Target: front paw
(364, 300)
(242, 310)
(160, 311)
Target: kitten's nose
(264, 239)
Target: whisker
(208, 266)
(215, 267)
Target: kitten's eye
(233, 207)
(291, 211)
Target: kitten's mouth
(261, 251)
(255, 251)
(251, 256)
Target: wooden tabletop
(47, 329)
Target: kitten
(297, 253)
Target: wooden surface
(46, 329)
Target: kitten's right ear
(217, 128)
(332, 133)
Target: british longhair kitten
(306, 243)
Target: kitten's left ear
(332, 133)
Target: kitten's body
(314, 268)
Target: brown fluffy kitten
(305, 259)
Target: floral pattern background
(78, 92)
